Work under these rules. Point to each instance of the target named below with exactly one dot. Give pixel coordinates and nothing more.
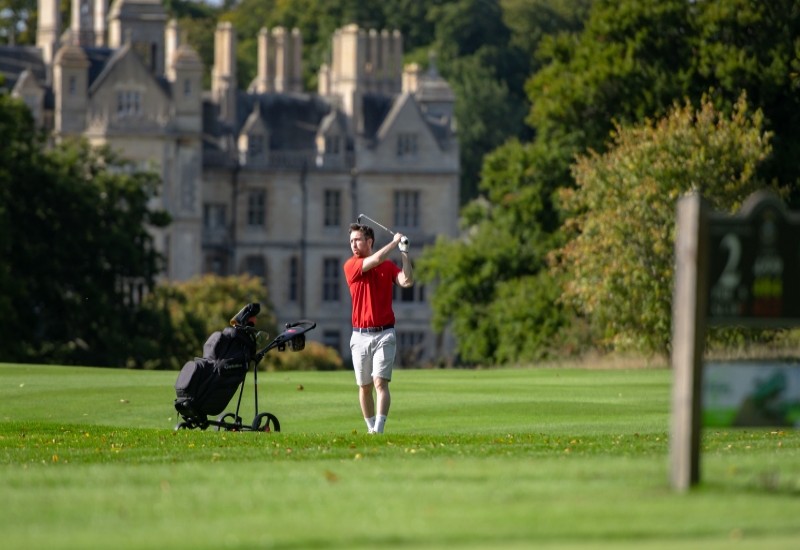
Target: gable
(254, 125)
(291, 120)
(124, 82)
(333, 124)
(14, 60)
(404, 122)
(27, 84)
(31, 92)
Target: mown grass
(511, 458)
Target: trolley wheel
(182, 426)
(266, 422)
(235, 422)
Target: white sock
(370, 423)
(379, 423)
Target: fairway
(506, 458)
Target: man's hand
(403, 244)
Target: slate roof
(292, 119)
(101, 60)
(15, 59)
(98, 59)
(376, 108)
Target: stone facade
(263, 178)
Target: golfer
(373, 344)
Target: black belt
(372, 329)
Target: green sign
(751, 393)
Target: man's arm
(379, 256)
(406, 277)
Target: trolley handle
(303, 323)
(294, 335)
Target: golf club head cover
(246, 316)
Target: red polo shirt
(371, 292)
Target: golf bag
(206, 384)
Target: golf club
(404, 240)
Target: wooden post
(688, 339)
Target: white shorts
(373, 355)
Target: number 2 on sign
(730, 274)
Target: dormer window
(406, 145)
(187, 87)
(332, 144)
(255, 146)
(72, 85)
(331, 140)
(253, 141)
(129, 103)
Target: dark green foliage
(184, 314)
(531, 21)
(493, 275)
(18, 23)
(486, 71)
(467, 26)
(73, 247)
(75, 252)
(18, 156)
(635, 58)
(631, 63)
(487, 116)
(620, 257)
(752, 46)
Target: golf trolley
(205, 386)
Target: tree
(179, 317)
(620, 256)
(631, 61)
(466, 26)
(17, 22)
(634, 59)
(751, 46)
(487, 116)
(531, 21)
(19, 155)
(480, 278)
(75, 249)
(475, 54)
(415, 19)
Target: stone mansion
(261, 177)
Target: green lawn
(512, 458)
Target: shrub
(315, 356)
